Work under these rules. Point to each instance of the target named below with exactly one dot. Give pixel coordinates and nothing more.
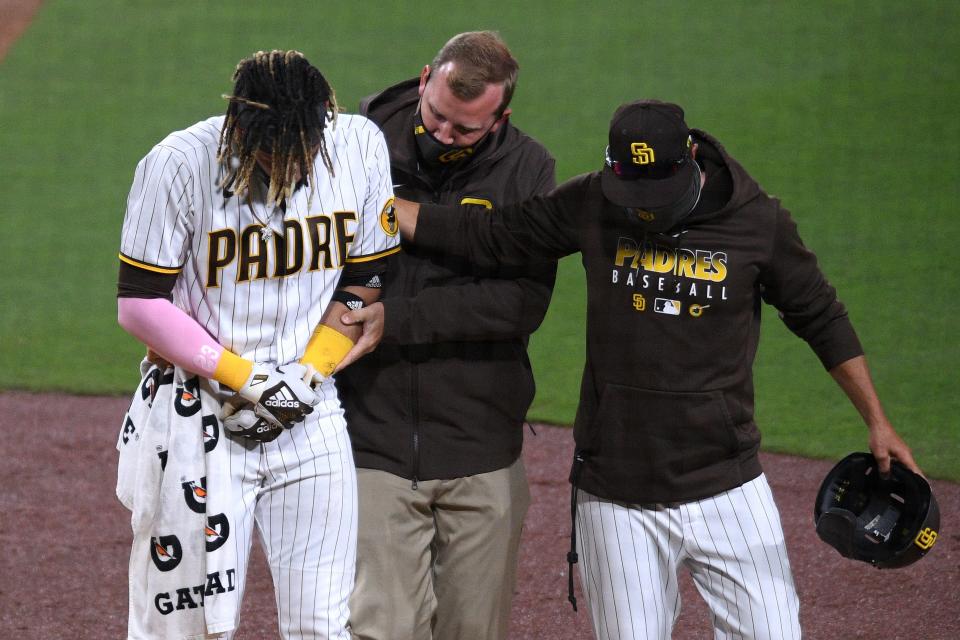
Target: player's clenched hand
(312, 377)
(371, 317)
(248, 424)
(279, 394)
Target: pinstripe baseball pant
(731, 543)
(301, 493)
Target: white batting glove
(279, 395)
(248, 424)
(312, 377)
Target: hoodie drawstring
(572, 554)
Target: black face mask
(667, 218)
(437, 154)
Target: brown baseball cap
(649, 164)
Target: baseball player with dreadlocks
(246, 237)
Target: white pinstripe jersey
(260, 298)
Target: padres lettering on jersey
(324, 239)
(258, 277)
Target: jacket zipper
(415, 416)
(415, 389)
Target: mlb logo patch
(667, 306)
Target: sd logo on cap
(650, 165)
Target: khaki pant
(437, 562)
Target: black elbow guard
(363, 274)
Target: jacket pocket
(664, 437)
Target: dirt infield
(65, 541)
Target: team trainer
(436, 413)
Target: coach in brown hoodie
(680, 247)
(436, 413)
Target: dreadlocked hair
(280, 105)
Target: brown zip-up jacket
(446, 393)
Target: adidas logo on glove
(282, 402)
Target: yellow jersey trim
(373, 256)
(149, 267)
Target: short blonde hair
(479, 58)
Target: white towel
(182, 578)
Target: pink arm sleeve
(166, 329)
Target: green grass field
(844, 110)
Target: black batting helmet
(889, 522)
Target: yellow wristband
(326, 349)
(232, 370)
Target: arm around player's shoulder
(555, 221)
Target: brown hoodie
(673, 322)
